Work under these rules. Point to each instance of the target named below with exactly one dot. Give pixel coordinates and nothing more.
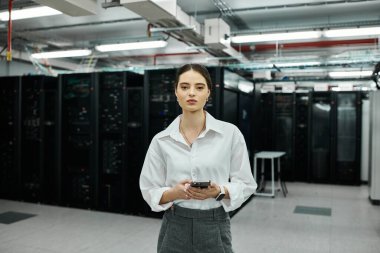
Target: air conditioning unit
(217, 33)
(73, 8)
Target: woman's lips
(191, 101)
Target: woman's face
(192, 91)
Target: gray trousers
(186, 230)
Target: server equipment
(335, 137)
(38, 132)
(321, 134)
(79, 143)
(347, 132)
(284, 112)
(120, 135)
(301, 136)
(10, 153)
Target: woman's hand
(203, 193)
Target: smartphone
(200, 184)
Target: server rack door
(161, 102)
(284, 131)
(301, 141)
(135, 151)
(320, 137)
(10, 175)
(112, 141)
(79, 142)
(246, 119)
(266, 121)
(347, 135)
(32, 137)
(230, 107)
(215, 105)
(50, 132)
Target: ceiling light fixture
(350, 74)
(131, 46)
(62, 54)
(366, 31)
(29, 13)
(276, 37)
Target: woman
(196, 148)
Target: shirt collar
(172, 130)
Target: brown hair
(197, 68)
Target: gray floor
(263, 225)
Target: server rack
(79, 142)
(112, 141)
(302, 133)
(347, 137)
(38, 107)
(120, 136)
(284, 111)
(321, 137)
(10, 153)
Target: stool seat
(270, 155)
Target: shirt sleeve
(242, 184)
(152, 178)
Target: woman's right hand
(180, 189)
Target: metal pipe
(9, 48)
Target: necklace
(183, 132)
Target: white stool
(270, 155)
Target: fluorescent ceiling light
(131, 46)
(276, 37)
(62, 54)
(352, 32)
(350, 74)
(29, 13)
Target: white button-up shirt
(218, 154)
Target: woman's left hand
(203, 193)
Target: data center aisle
(328, 218)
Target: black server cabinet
(301, 140)
(120, 129)
(38, 112)
(161, 106)
(246, 121)
(112, 141)
(284, 111)
(10, 153)
(79, 142)
(135, 147)
(266, 128)
(321, 137)
(347, 141)
(231, 106)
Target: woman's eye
(200, 88)
(184, 87)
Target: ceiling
(118, 24)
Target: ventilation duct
(167, 14)
(73, 8)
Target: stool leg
(254, 170)
(282, 183)
(272, 169)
